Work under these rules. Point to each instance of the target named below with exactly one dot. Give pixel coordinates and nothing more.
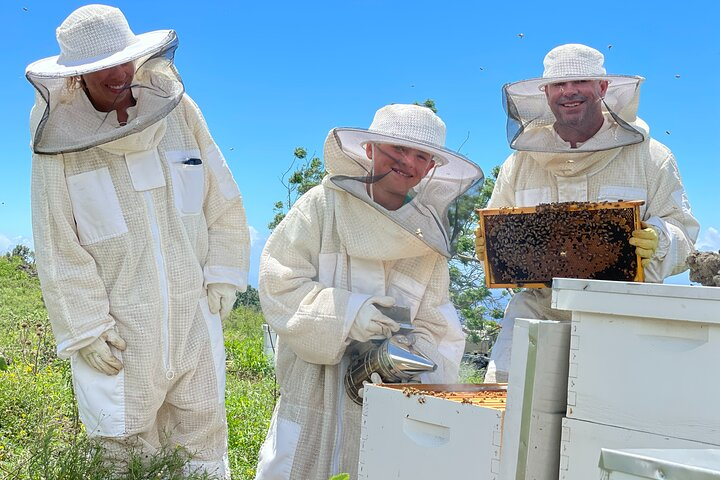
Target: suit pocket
(278, 451)
(188, 181)
(100, 398)
(96, 207)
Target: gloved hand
(374, 378)
(645, 242)
(479, 244)
(370, 324)
(221, 298)
(99, 356)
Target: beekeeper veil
(530, 119)
(438, 205)
(94, 38)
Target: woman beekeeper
(140, 237)
(374, 233)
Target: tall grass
(40, 434)
(41, 437)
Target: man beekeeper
(140, 237)
(578, 139)
(374, 233)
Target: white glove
(374, 378)
(370, 324)
(99, 356)
(221, 298)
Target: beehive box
(443, 431)
(536, 403)
(642, 356)
(654, 463)
(582, 444)
(529, 246)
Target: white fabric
(221, 298)
(137, 263)
(646, 171)
(323, 234)
(370, 324)
(95, 37)
(413, 126)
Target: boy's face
(400, 167)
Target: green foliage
(341, 476)
(479, 307)
(41, 436)
(307, 175)
(23, 252)
(250, 298)
(244, 345)
(429, 104)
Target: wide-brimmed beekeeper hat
(527, 108)
(437, 209)
(96, 37)
(412, 126)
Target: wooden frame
(529, 246)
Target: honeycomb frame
(529, 246)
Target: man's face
(577, 106)
(401, 169)
(110, 88)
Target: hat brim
(353, 141)
(146, 44)
(534, 85)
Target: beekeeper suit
(337, 254)
(137, 223)
(618, 162)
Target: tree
(478, 306)
(429, 104)
(309, 174)
(24, 252)
(250, 298)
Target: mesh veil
(432, 214)
(63, 120)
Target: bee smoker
(394, 360)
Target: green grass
(41, 437)
(40, 434)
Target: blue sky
(271, 76)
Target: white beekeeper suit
(132, 225)
(620, 162)
(335, 250)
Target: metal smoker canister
(394, 360)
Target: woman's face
(109, 89)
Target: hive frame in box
(569, 209)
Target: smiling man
(578, 139)
(370, 235)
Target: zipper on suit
(162, 280)
(342, 397)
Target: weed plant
(41, 437)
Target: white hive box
(427, 437)
(582, 443)
(643, 357)
(640, 464)
(537, 396)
